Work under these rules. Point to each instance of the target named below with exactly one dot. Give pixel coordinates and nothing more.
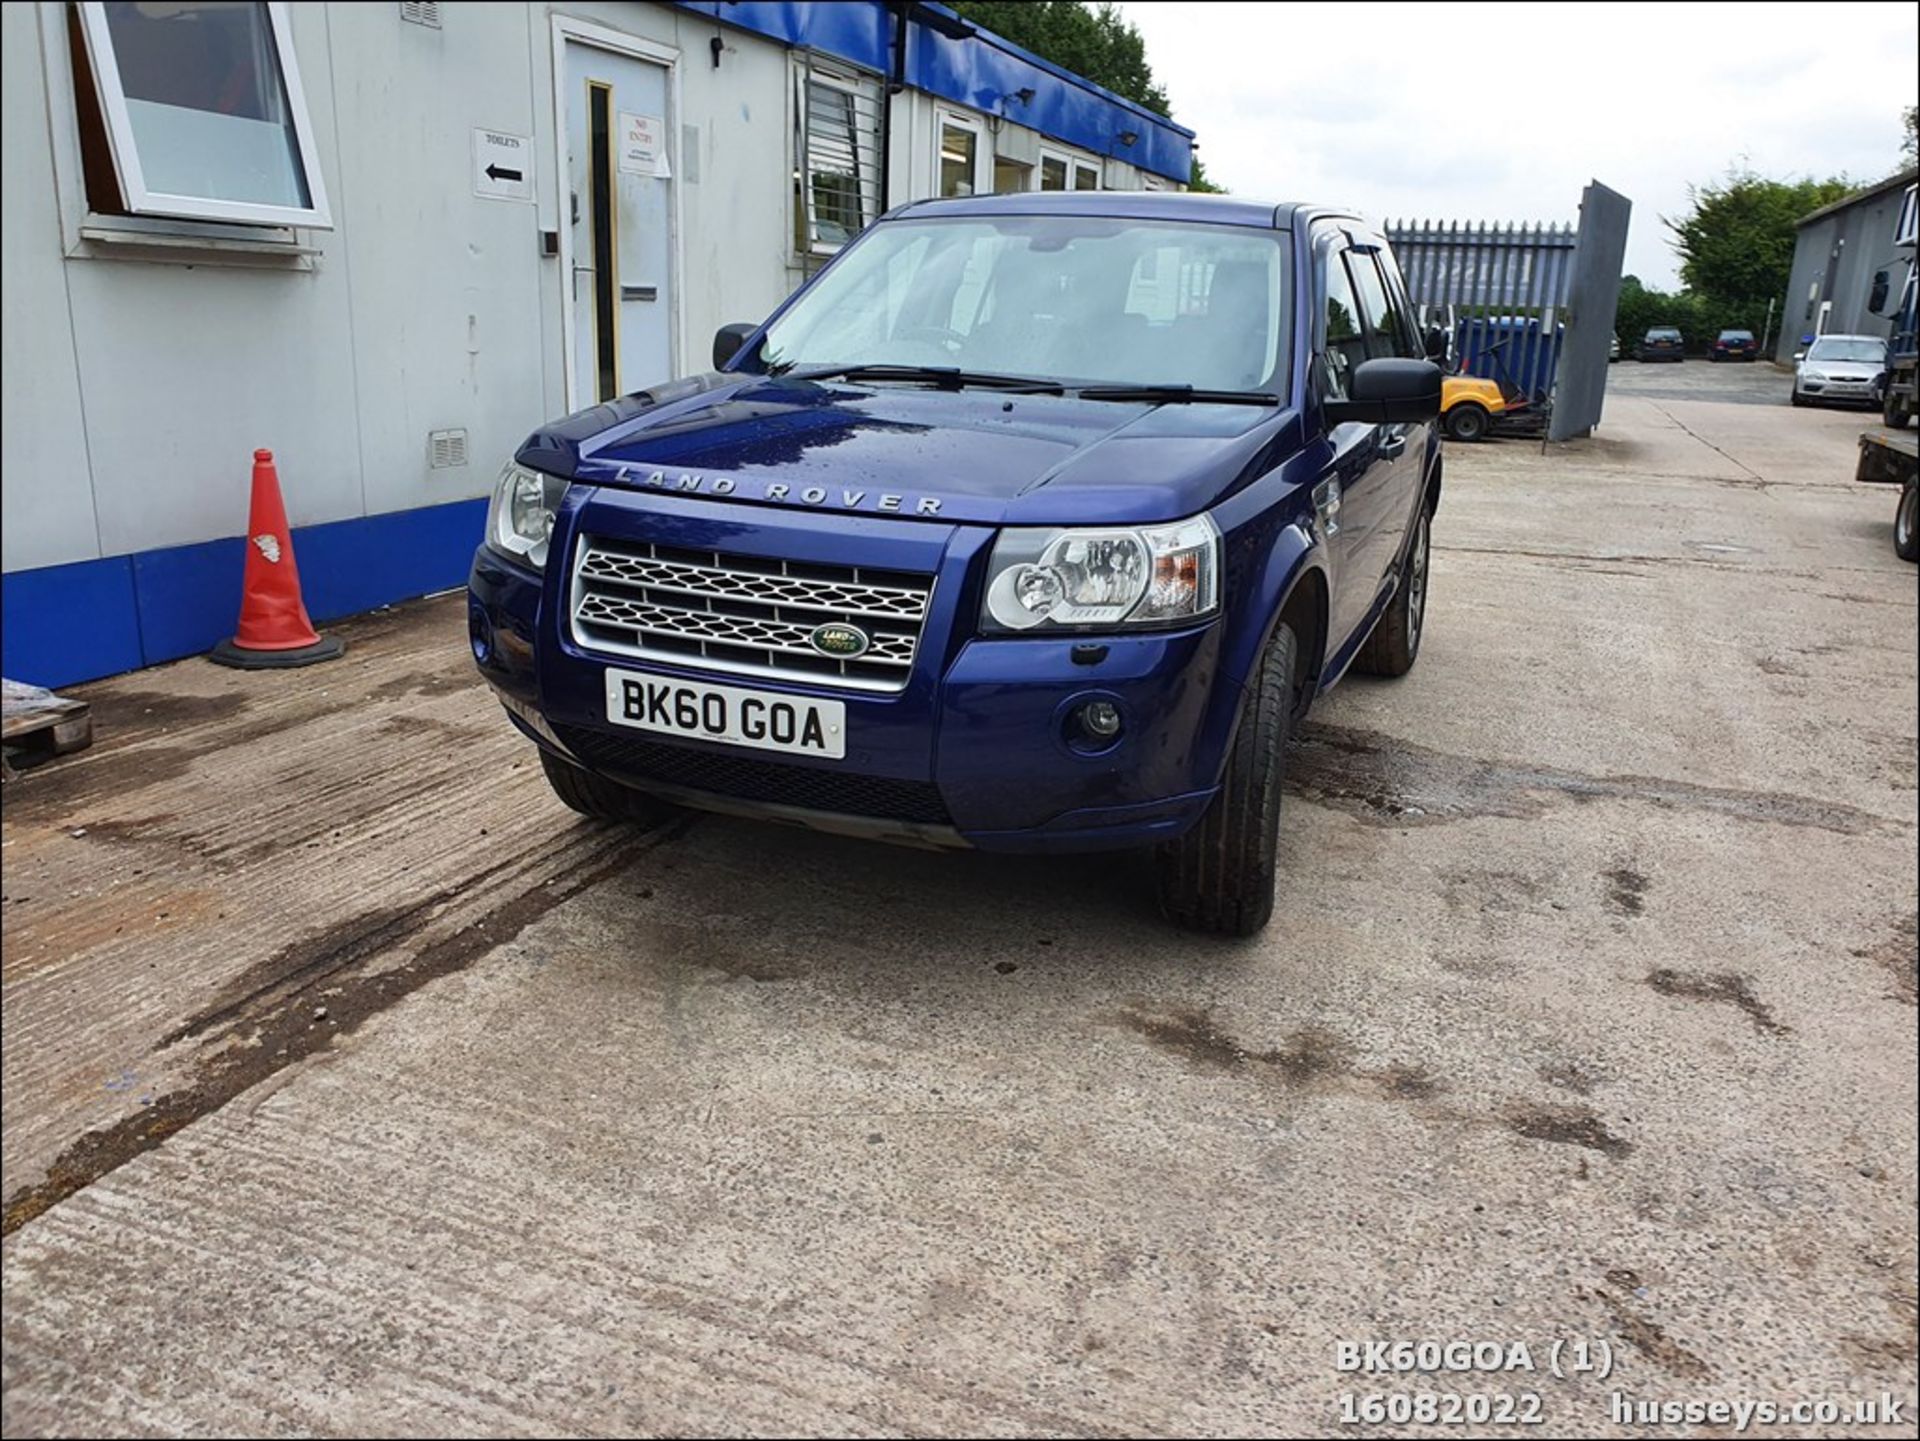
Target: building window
(837, 141)
(200, 106)
(1011, 177)
(1067, 172)
(959, 156)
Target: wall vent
(421, 12)
(446, 448)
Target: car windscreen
(1866, 352)
(1060, 297)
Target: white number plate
(728, 713)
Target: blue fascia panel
(984, 73)
(67, 623)
(189, 596)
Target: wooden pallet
(31, 737)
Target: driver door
(1350, 495)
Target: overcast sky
(1504, 112)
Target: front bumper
(1860, 390)
(976, 750)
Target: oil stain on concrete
(1722, 989)
(1385, 781)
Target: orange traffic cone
(274, 629)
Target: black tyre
(1468, 421)
(1906, 523)
(1797, 398)
(1895, 411)
(1219, 875)
(602, 799)
(1395, 643)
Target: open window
(201, 111)
(837, 169)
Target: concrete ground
(352, 1085)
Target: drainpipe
(896, 82)
(905, 12)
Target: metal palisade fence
(1528, 305)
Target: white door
(619, 213)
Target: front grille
(721, 773)
(746, 614)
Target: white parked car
(1840, 368)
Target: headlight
(521, 516)
(1091, 579)
(1809, 373)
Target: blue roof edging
(985, 72)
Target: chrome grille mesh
(745, 614)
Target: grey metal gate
(1530, 306)
(1597, 262)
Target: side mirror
(1877, 297)
(1389, 392)
(1799, 355)
(727, 341)
(1436, 344)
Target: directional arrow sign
(502, 165)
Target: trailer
(1892, 457)
(1898, 396)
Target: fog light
(480, 635)
(1100, 719)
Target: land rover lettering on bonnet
(1033, 523)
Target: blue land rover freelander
(1033, 523)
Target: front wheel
(1219, 876)
(1467, 421)
(1906, 523)
(1395, 643)
(1797, 398)
(602, 799)
(1895, 412)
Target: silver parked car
(1840, 368)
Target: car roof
(1130, 205)
(1878, 339)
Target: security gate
(1530, 306)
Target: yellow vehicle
(1468, 405)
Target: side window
(836, 173)
(1412, 344)
(1346, 345)
(1382, 321)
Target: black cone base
(227, 653)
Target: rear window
(1665, 334)
(1736, 335)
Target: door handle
(1393, 447)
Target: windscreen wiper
(944, 377)
(1175, 395)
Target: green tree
(1099, 43)
(1736, 238)
(1909, 137)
